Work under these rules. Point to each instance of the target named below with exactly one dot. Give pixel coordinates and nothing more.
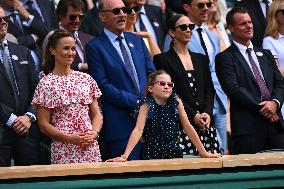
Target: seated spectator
(66, 101)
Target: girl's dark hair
(151, 80)
(52, 42)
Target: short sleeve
(45, 95)
(267, 44)
(151, 104)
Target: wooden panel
(253, 159)
(108, 167)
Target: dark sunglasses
(5, 18)
(183, 27)
(74, 17)
(116, 11)
(202, 5)
(135, 9)
(282, 11)
(164, 83)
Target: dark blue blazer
(119, 95)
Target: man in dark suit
(91, 23)
(120, 63)
(257, 10)
(19, 135)
(70, 14)
(152, 21)
(30, 21)
(252, 81)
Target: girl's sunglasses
(281, 10)
(74, 17)
(164, 83)
(184, 27)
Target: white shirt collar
(269, 1)
(143, 10)
(242, 47)
(280, 36)
(112, 37)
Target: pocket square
(24, 62)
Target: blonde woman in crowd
(274, 40)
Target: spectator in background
(70, 15)
(19, 133)
(120, 63)
(67, 106)
(132, 16)
(258, 10)
(30, 21)
(193, 84)
(216, 25)
(91, 23)
(274, 40)
(252, 81)
(150, 19)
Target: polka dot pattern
(160, 134)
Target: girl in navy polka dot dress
(158, 121)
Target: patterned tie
(265, 95)
(79, 48)
(127, 63)
(141, 23)
(199, 30)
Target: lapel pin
(259, 53)
(131, 45)
(156, 24)
(14, 57)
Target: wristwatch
(32, 118)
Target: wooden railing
(42, 171)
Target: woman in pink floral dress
(67, 106)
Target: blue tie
(127, 63)
(142, 25)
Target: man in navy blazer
(251, 79)
(121, 89)
(19, 133)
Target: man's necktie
(16, 21)
(127, 63)
(199, 31)
(79, 48)
(266, 7)
(9, 70)
(265, 95)
(141, 23)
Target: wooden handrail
(140, 166)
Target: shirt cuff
(11, 120)
(33, 116)
(277, 101)
(29, 22)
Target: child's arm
(191, 133)
(136, 133)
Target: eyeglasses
(281, 10)
(202, 5)
(116, 11)
(73, 17)
(184, 27)
(135, 9)
(5, 18)
(164, 83)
